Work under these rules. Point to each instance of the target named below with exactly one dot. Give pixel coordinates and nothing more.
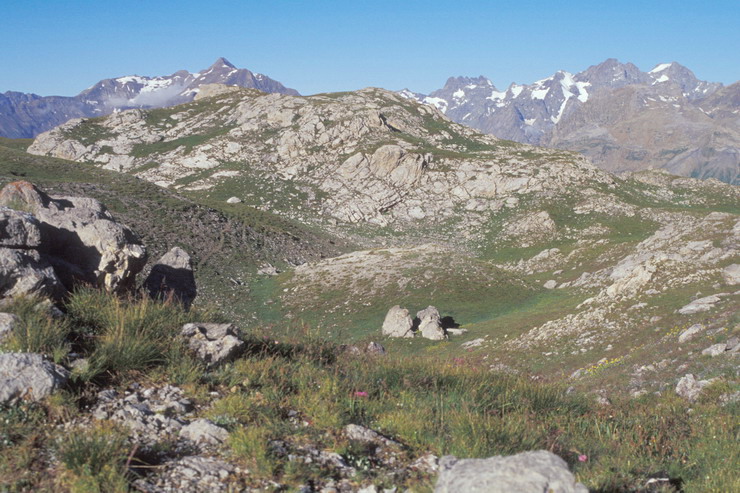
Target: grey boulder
(18, 229)
(430, 324)
(23, 272)
(213, 343)
(398, 323)
(528, 472)
(173, 276)
(28, 375)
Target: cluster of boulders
(49, 245)
(428, 324)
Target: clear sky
(62, 47)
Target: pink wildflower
(360, 393)
(582, 458)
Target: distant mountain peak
(222, 62)
(23, 116)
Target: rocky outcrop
(213, 343)
(690, 388)
(398, 323)
(28, 376)
(172, 277)
(527, 472)
(430, 324)
(79, 238)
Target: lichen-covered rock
(28, 375)
(398, 323)
(213, 343)
(23, 272)
(430, 324)
(528, 472)
(8, 322)
(18, 229)
(172, 276)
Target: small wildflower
(582, 458)
(360, 393)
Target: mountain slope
(480, 227)
(27, 115)
(623, 119)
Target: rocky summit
(623, 119)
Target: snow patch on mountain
(660, 68)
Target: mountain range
(27, 115)
(623, 119)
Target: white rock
(715, 349)
(204, 430)
(691, 332)
(398, 323)
(700, 305)
(234, 200)
(527, 472)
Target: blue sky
(62, 47)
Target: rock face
(173, 276)
(430, 325)
(527, 472)
(213, 343)
(79, 238)
(27, 115)
(398, 323)
(28, 375)
(620, 117)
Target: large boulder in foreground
(79, 238)
(172, 276)
(28, 376)
(398, 323)
(528, 472)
